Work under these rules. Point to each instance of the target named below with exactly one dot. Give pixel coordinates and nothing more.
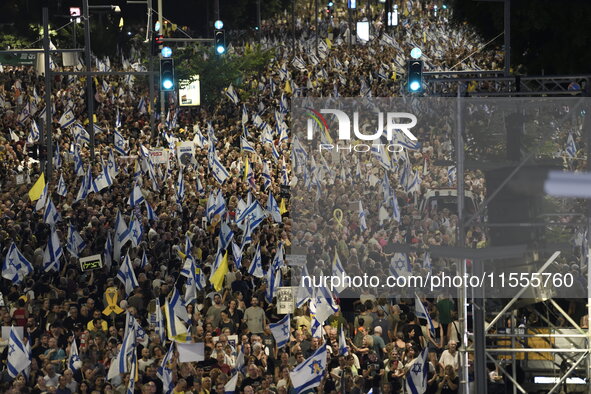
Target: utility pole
(507, 25)
(316, 25)
(463, 291)
(151, 71)
(161, 23)
(293, 27)
(48, 112)
(88, 62)
(258, 19)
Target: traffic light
(329, 8)
(415, 76)
(219, 41)
(157, 40)
(166, 75)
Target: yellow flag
(177, 331)
(287, 87)
(425, 37)
(282, 208)
(217, 278)
(328, 42)
(245, 171)
(37, 188)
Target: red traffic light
(159, 39)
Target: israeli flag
(75, 243)
(15, 266)
(308, 374)
(231, 94)
(451, 175)
(108, 252)
(210, 206)
(427, 262)
(416, 378)
(244, 114)
(136, 232)
(247, 236)
(67, 119)
(245, 146)
(278, 261)
(254, 212)
(256, 268)
(81, 136)
(74, 362)
(118, 120)
(322, 305)
(273, 208)
(78, 163)
(19, 358)
(102, 180)
(112, 165)
(85, 185)
(283, 104)
(51, 216)
(338, 271)
(180, 188)
(121, 236)
(220, 204)
(343, 349)
(61, 187)
(218, 170)
(362, 222)
(230, 387)
(42, 201)
(142, 107)
(127, 347)
(120, 143)
(305, 292)
(136, 197)
(421, 313)
(226, 235)
(150, 212)
(127, 276)
(160, 328)
(165, 373)
(571, 148)
(400, 265)
(52, 253)
(34, 133)
(236, 255)
(191, 282)
(273, 282)
(57, 157)
(280, 331)
(266, 176)
(177, 305)
(395, 208)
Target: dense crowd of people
(184, 213)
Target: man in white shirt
(450, 356)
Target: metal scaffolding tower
(505, 350)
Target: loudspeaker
(519, 201)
